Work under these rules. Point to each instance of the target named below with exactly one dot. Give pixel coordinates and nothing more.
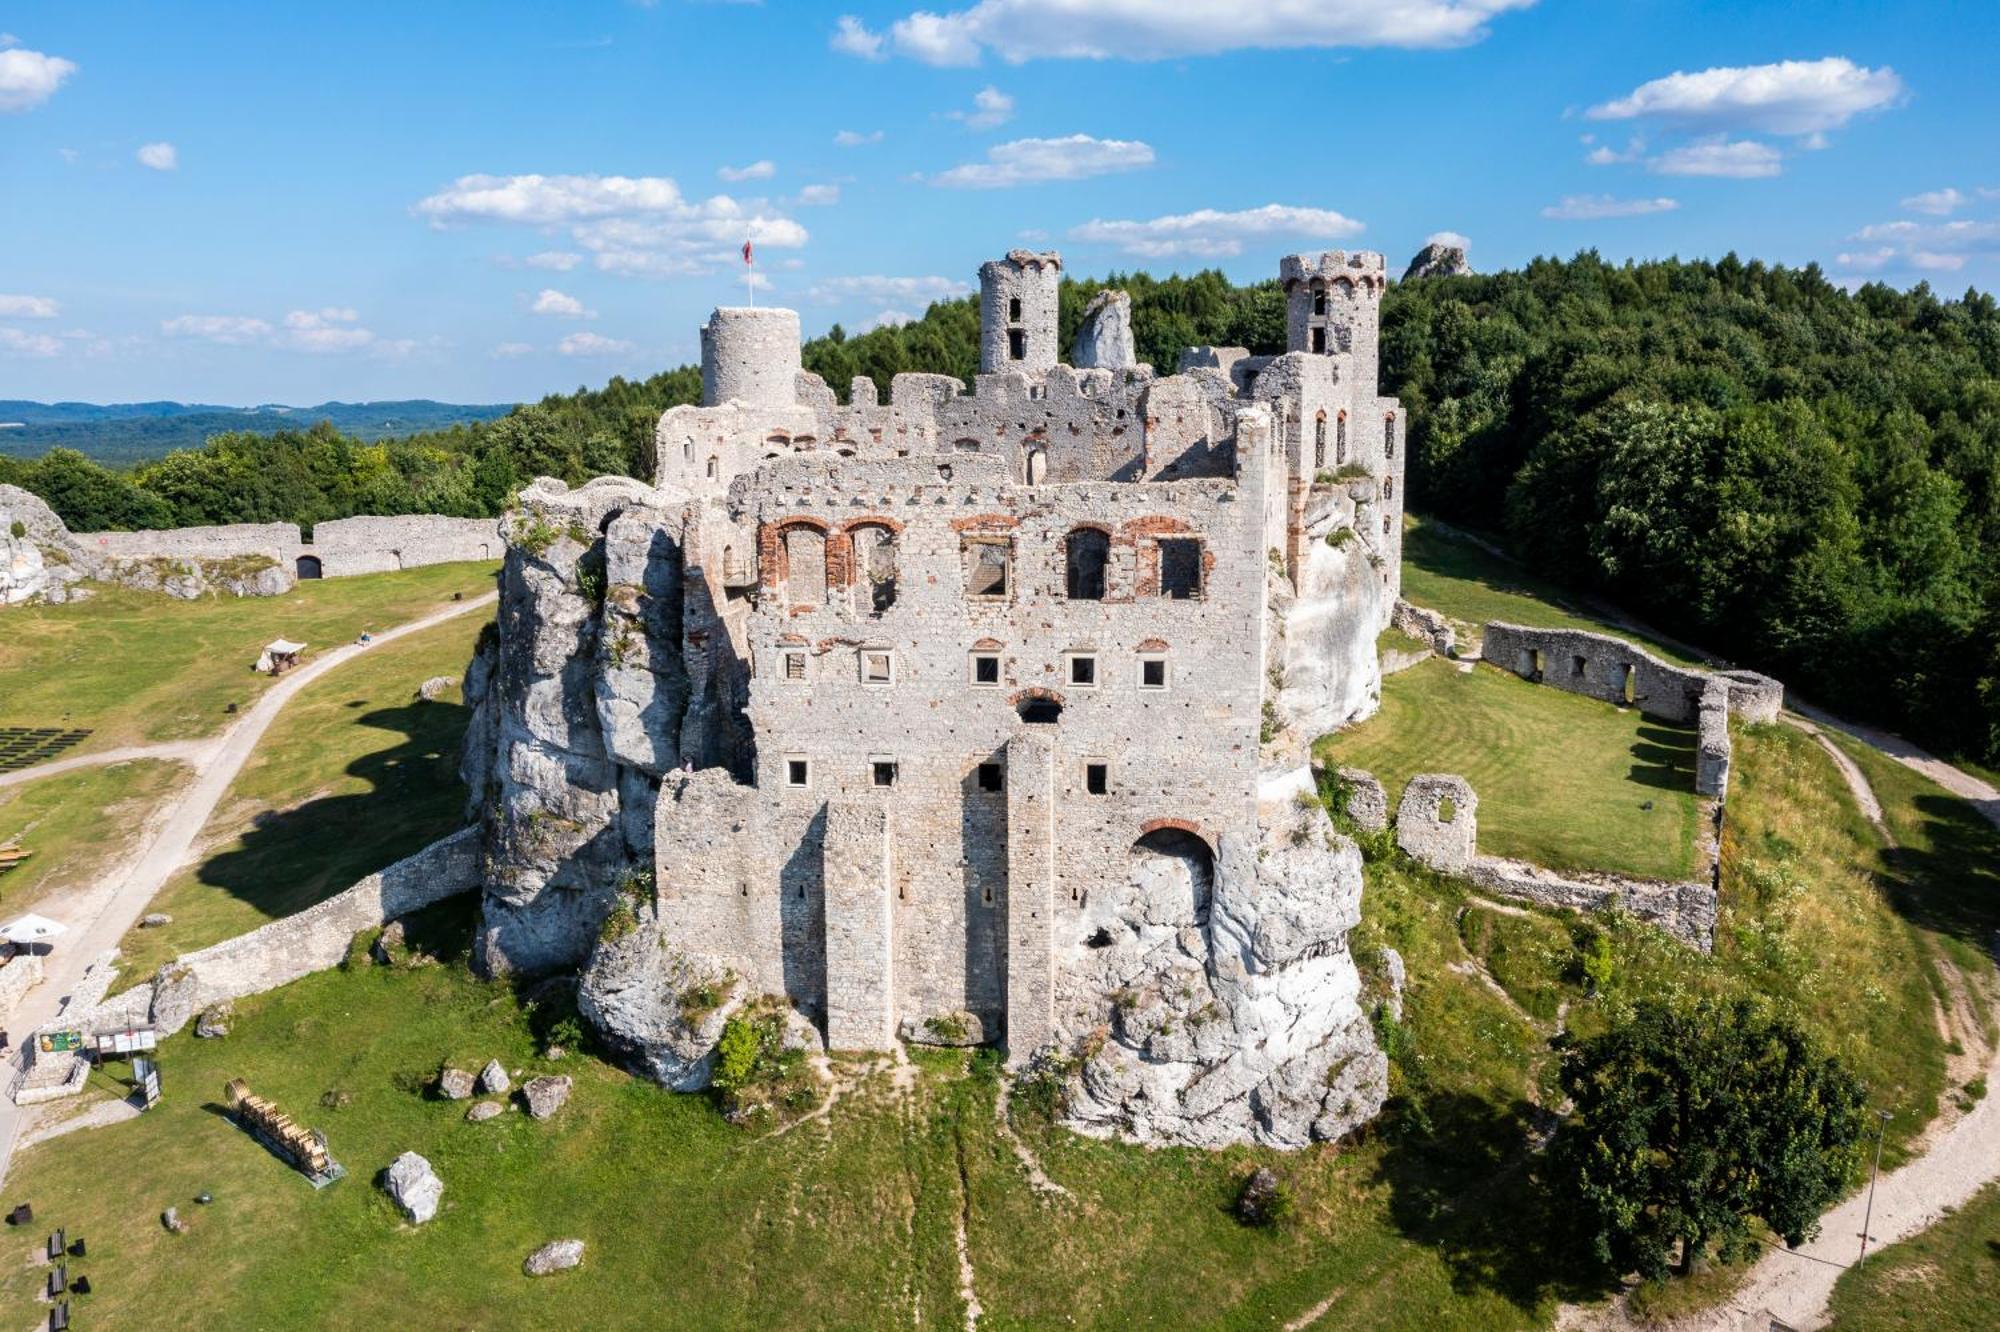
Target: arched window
(1319, 441)
(714, 469)
(964, 446)
(1085, 553)
(1389, 435)
(688, 448)
(1038, 465)
(1340, 439)
(805, 565)
(875, 566)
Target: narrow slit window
(1388, 436)
(1340, 439)
(714, 469)
(1096, 778)
(1319, 441)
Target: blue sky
(485, 202)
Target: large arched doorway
(1173, 879)
(309, 567)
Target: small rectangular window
(878, 667)
(1152, 672)
(1083, 670)
(883, 771)
(1180, 568)
(1576, 666)
(1319, 340)
(986, 668)
(798, 772)
(794, 666)
(992, 777)
(1017, 345)
(1096, 778)
(1014, 309)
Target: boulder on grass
(214, 1021)
(415, 1187)
(455, 1084)
(482, 1111)
(555, 1256)
(493, 1079)
(545, 1095)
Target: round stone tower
(1333, 305)
(1018, 312)
(750, 354)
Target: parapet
(1355, 265)
(750, 354)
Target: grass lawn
(78, 824)
(1946, 1279)
(1471, 585)
(842, 1223)
(354, 775)
(1563, 780)
(138, 666)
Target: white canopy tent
(31, 928)
(278, 654)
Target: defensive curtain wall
(275, 954)
(1619, 672)
(339, 547)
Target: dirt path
(184, 751)
(99, 918)
(1857, 781)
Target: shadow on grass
(293, 858)
(1663, 758)
(1471, 1190)
(1953, 885)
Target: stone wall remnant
(1437, 821)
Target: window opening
(877, 667)
(988, 568)
(1087, 551)
(795, 666)
(992, 777)
(1180, 568)
(875, 555)
(798, 772)
(1040, 711)
(1319, 339)
(884, 772)
(1096, 778)
(1152, 673)
(1083, 671)
(1319, 442)
(985, 668)
(1340, 439)
(1014, 309)
(1017, 344)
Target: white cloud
(14, 342)
(1021, 30)
(1026, 161)
(557, 304)
(635, 226)
(990, 108)
(332, 329)
(851, 37)
(1209, 232)
(1448, 238)
(1593, 207)
(229, 330)
(28, 307)
(818, 194)
(560, 261)
(1937, 203)
(592, 344)
(29, 78)
(762, 169)
(1605, 155)
(509, 350)
(1938, 247)
(1738, 159)
(875, 289)
(8, 39)
(1870, 261)
(1789, 97)
(887, 319)
(158, 156)
(855, 138)
(1937, 263)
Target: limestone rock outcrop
(414, 1186)
(1227, 1018)
(1439, 259)
(1104, 342)
(663, 1009)
(555, 1256)
(39, 561)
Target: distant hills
(118, 434)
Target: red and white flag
(748, 256)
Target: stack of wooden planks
(306, 1148)
(12, 854)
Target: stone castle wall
(346, 546)
(278, 542)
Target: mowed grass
(1471, 585)
(138, 666)
(1563, 780)
(79, 824)
(846, 1222)
(1945, 1279)
(357, 773)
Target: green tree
(1691, 1121)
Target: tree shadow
(1663, 757)
(1953, 885)
(1470, 1189)
(291, 859)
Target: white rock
(493, 1079)
(415, 1186)
(555, 1256)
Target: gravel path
(1857, 781)
(183, 751)
(99, 917)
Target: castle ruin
(967, 715)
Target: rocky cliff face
(1104, 342)
(576, 702)
(1209, 1015)
(39, 561)
(1439, 260)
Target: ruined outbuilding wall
(277, 541)
(379, 545)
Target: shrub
(1265, 1199)
(19, 529)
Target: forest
(1796, 477)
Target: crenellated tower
(1333, 306)
(1018, 312)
